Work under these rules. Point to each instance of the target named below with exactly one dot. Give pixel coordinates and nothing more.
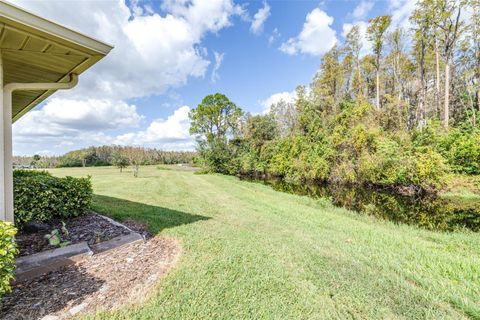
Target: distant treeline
(106, 156)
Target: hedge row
(40, 196)
(8, 249)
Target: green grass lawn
(250, 252)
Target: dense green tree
(328, 83)
(214, 122)
(261, 128)
(216, 117)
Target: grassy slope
(251, 252)
(462, 188)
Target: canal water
(428, 212)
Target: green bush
(461, 147)
(40, 196)
(428, 170)
(388, 164)
(8, 250)
(30, 173)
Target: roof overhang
(34, 49)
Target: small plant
(64, 229)
(8, 250)
(55, 237)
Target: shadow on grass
(156, 218)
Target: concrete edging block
(34, 265)
(116, 242)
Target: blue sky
(253, 67)
(168, 55)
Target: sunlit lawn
(253, 253)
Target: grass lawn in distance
(250, 252)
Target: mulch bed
(104, 281)
(139, 227)
(91, 228)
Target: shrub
(462, 150)
(40, 196)
(429, 170)
(387, 165)
(8, 250)
(312, 162)
(459, 146)
(30, 173)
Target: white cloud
(64, 117)
(212, 15)
(286, 96)
(273, 36)
(362, 9)
(170, 131)
(259, 19)
(400, 11)
(152, 52)
(316, 37)
(55, 130)
(64, 124)
(218, 62)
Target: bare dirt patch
(104, 281)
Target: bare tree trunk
(420, 111)
(437, 63)
(378, 90)
(478, 78)
(476, 14)
(359, 78)
(474, 116)
(399, 86)
(135, 170)
(446, 107)
(423, 91)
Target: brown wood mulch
(90, 228)
(104, 281)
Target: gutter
(8, 90)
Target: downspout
(7, 131)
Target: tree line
(403, 115)
(107, 156)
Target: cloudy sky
(168, 55)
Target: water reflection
(427, 212)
